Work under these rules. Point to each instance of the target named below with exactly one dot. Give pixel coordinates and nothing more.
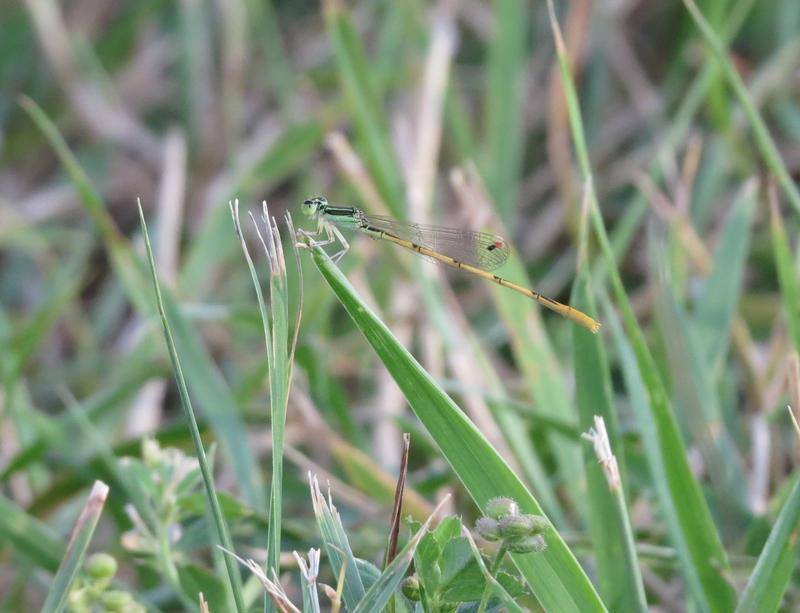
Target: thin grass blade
(504, 103)
(619, 577)
(763, 138)
(208, 480)
(361, 93)
(384, 588)
(76, 549)
(704, 561)
(787, 271)
(337, 546)
(206, 379)
(29, 537)
(770, 577)
(717, 305)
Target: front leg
(311, 236)
(343, 242)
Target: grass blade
(208, 479)
(787, 276)
(206, 380)
(554, 575)
(275, 323)
(76, 549)
(696, 400)
(384, 588)
(504, 130)
(337, 546)
(770, 577)
(717, 305)
(704, 562)
(764, 141)
(29, 537)
(620, 580)
(121, 255)
(361, 92)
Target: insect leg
(342, 241)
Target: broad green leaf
(554, 574)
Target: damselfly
(478, 253)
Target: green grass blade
(204, 376)
(543, 375)
(536, 359)
(66, 282)
(208, 480)
(555, 576)
(770, 578)
(704, 561)
(384, 588)
(717, 305)
(29, 537)
(275, 324)
(337, 546)
(764, 141)
(121, 255)
(505, 102)
(696, 400)
(356, 81)
(211, 247)
(787, 275)
(620, 581)
(76, 549)
(660, 438)
(627, 227)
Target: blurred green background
(448, 112)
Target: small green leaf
(462, 578)
(448, 529)
(426, 563)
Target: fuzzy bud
(411, 588)
(527, 544)
(500, 507)
(488, 529)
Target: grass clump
(161, 428)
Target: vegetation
(200, 410)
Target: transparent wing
(485, 251)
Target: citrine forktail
(474, 252)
